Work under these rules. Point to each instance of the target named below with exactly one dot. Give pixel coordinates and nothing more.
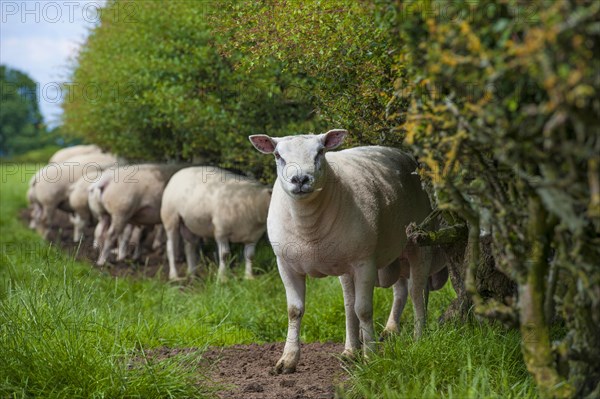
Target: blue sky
(42, 38)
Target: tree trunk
(535, 344)
(491, 283)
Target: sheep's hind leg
(249, 251)
(418, 288)
(191, 242)
(223, 245)
(400, 288)
(100, 231)
(172, 246)
(159, 232)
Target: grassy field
(68, 331)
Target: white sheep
(344, 214)
(78, 200)
(65, 154)
(130, 195)
(209, 202)
(131, 235)
(50, 187)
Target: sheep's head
(301, 164)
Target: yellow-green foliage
(346, 47)
(505, 114)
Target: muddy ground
(244, 371)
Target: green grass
(68, 330)
(452, 361)
(39, 155)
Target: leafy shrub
(150, 84)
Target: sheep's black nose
(300, 180)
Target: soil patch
(245, 371)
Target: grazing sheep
(65, 154)
(132, 194)
(52, 182)
(344, 214)
(97, 209)
(130, 236)
(78, 201)
(209, 202)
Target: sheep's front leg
(116, 228)
(223, 246)
(400, 288)
(249, 250)
(365, 276)
(45, 224)
(36, 213)
(295, 289)
(352, 324)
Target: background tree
(21, 124)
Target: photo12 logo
(67, 11)
(68, 92)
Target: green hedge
(151, 84)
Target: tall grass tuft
(451, 361)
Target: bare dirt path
(245, 371)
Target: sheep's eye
(278, 157)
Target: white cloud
(42, 39)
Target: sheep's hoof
(283, 368)
(221, 279)
(388, 333)
(349, 355)
(249, 277)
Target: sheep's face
(301, 164)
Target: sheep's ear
(334, 138)
(263, 143)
